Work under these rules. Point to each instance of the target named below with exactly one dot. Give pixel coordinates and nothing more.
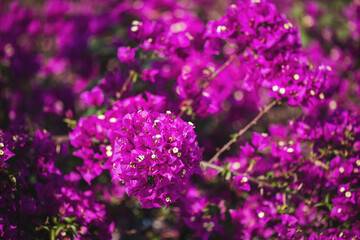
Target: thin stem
(260, 183)
(220, 69)
(184, 108)
(243, 130)
(188, 102)
(60, 138)
(31, 126)
(317, 162)
(125, 85)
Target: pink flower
(126, 54)
(95, 97)
(154, 156)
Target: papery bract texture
(154, 156)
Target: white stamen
(244, 179)
(219, 29)
(134, 28)
(109, 153)
(290, 150)
(348, 194)
(236, 165)
(358, 162)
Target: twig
(218, 71)
(188, 102)
(316, 161)
(31, 126)
(261, 183)
(60, 138)
(243, 130)
(125, 85)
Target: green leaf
(13, 179)
(320, 204)
(270, 174)
(135, 76)
(282, 209)
(234, 136)
(207, 71)
(39, 228)
(59, 228)
(327, 198)
(227, 165)
(261, 177)
(322, 151)
(74, 230)
(55, 220)
(69, 219)
(227, 175)
(52, 234)
(70, 123)
(189, 110)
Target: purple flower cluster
(198, 213)
(315, 158)
(37, 198)
(154, 155)
(340, 133)
(268, 48)
(7, 143)
(90, 133)
(100, 98)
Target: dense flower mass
(270, 46)
(28, 203)
(99, 100)
(154, 155)
(94, 130)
